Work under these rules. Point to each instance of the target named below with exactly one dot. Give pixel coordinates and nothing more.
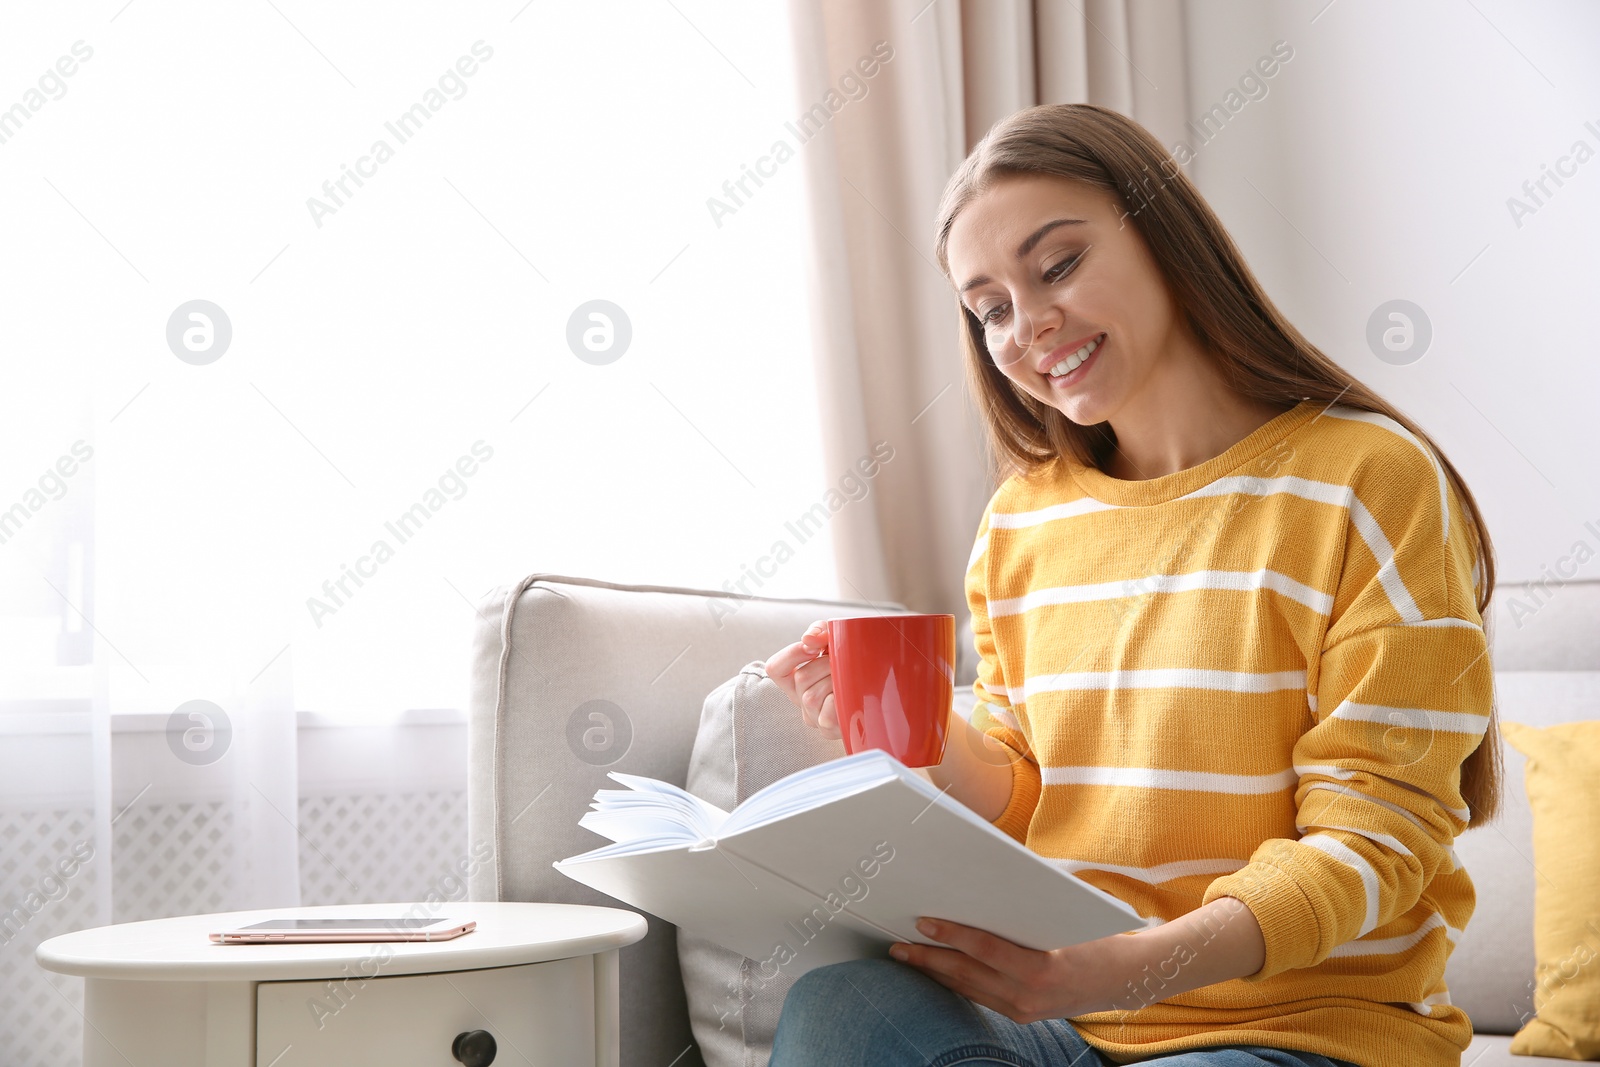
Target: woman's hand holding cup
(875, 682)
(803, 672)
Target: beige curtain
(893, 93)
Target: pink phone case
(322, 937)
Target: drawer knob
(475, 1048)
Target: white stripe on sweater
(1455, 722)
(1388, 573)
(1371, 835)
(1343, 853)
(1164, 872)
(1018, 520)
(1343, 790)
(1389, 945)
(1327, 769)
(1061, 594)
(1341, 496)
(1159, 678)
(1465, 624)
(1374, 835)
(1341, 773)
(1276, 581)
(1373, 418)
(1319, 492)
(1428, 1002)
(1153, 778)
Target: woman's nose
(1030, 318)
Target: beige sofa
(552, 652)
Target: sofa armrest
(574, 677)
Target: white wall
(1388, 147)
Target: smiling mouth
(1075, 359)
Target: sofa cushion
(1491, 968)
(750, 736)
(1562, 772)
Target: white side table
(541, 979)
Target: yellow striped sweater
(1256, 678)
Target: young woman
(1228, 605)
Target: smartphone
(321, 931)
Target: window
(395, 224)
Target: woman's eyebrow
(1038, 235)
(1025, 247)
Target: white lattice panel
(172, 859)
(374, 847)
(178, 858)
(41, 1018)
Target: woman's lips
(1065, 351)
(1073, 377)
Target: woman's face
(1061, 280)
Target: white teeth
(1076, 360)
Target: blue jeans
(883, 1013)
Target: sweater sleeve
(1400, 695)
(993, 714)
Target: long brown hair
(1261, 354)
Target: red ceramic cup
(894, 683)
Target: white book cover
(833, 862)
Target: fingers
(955, 970)
(991, 949)
(979, 961)
(816, 636)
(817, 703)
(1020, 983)
(968, 966)
(795, 672)
(781, 664)
(818, 706)
(804, 674)
(813, 672)
(828, 714)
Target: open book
(832, 863)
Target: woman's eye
(1057, 272)
(993, 316)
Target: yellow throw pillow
(1563, 782)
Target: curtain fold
(888, 360)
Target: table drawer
(539, 1014)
